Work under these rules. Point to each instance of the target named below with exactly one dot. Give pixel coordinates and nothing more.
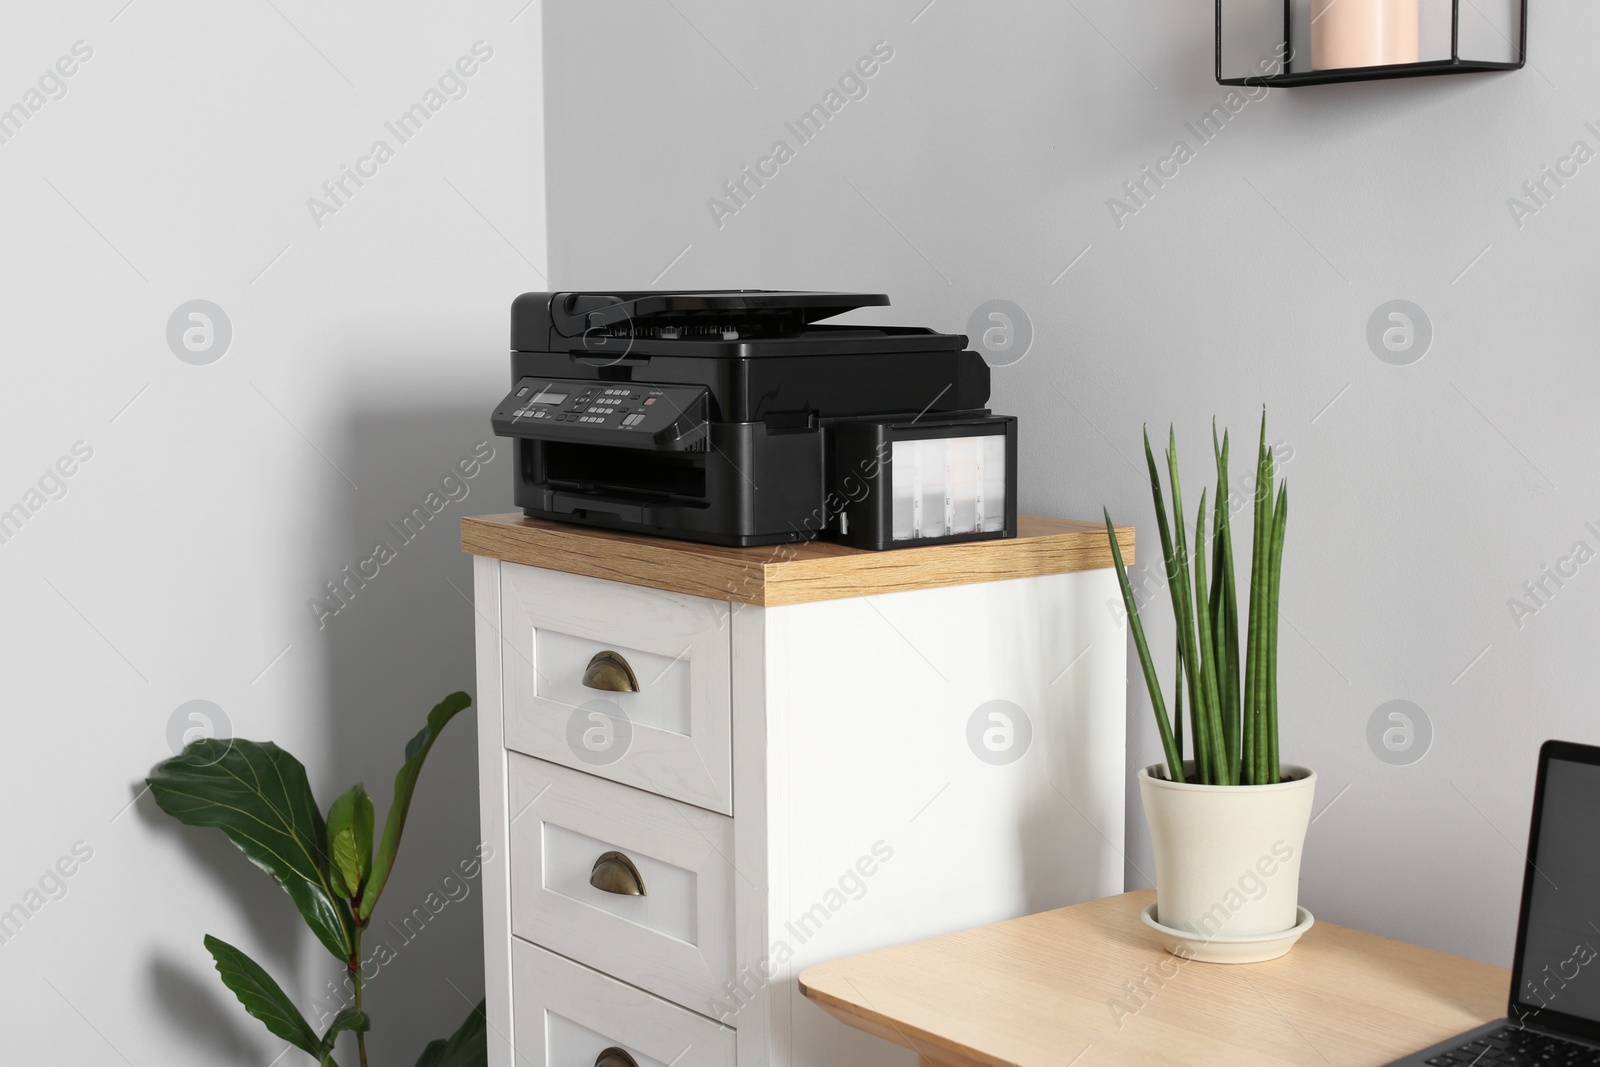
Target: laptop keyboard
(1510, 1046)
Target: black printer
(734, 418)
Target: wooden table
(1089, 985)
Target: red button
(649, 400)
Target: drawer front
(567, 1015)
(672, 735)
(675, 940)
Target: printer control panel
(626, 414)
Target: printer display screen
(671, 418)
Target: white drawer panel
(663, 697)
(676, 940)
(567, 1015)
(669, 909)
(672, 736)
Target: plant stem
(355, 977)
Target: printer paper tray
(627, 507)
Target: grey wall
(178, 566)
(979, 167)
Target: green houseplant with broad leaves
(259, 796)
(1227, 824)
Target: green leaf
(1169, 555)
(1228, 626)
(1172, 749)
(1167, 552)
(1177, 700)
(467, 1047)
(350, 823)
(1208, 657)
(263, 997)
(1256, 652)
(1184, 610)
(350, 1019)
(1280, 522)
(405, 783)
(257, 794)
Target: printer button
(633, 420)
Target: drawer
(676, 940)
(671, 736)
(566, 1015)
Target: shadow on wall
(194, 1003)
(202, 1009)
(399, 637)
(396, 613)
(1070, 730)
(258, 905)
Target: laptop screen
(1558, 961)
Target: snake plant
(259, 796)
(1233, 717)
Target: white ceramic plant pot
(1363, 33)
(1227, 857)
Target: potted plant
(1228, 823)
(258, 795)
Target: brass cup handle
(615, 1057)
(610, 673)
(615, 873)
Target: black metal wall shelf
(1425, 68)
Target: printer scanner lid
(735, 324)
(572, 314)
(725, 324)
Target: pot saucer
(1255, 948)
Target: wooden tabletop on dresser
(772, 575)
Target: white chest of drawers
(827, 751)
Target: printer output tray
(705, 496)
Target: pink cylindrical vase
(1363, 33)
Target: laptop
(1554, 1013)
